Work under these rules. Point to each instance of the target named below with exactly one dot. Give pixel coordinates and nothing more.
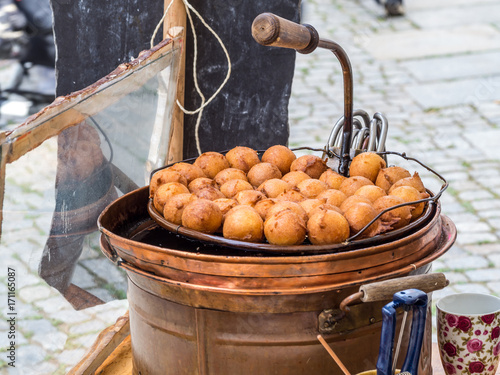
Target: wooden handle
(270, 30)
(384, 290)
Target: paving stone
(471, 288)
(495, 258)
(103, 268)
(82, 278)
(483, 249)
(86, 327)
(452, 67)
(71, 357)
(474, 238)
(29, 355)
(35, 293)
(52, 341)
(427, 43)
(467, 262)
(72, 316)
(38, 326)
(457, 92)
(490, 274)
(488, 140)
(53, 305)
(455, 16)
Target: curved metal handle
(270, 30)
(108, 250)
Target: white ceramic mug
(468, 326)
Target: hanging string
(199, 110)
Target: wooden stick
(177, 17)
(333, 355)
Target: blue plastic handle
(408, 299)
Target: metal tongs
(369, 135)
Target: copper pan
(126, 221)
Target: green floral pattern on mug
(469, 345)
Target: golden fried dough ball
(233, 187)
(242, 158)
(295, 177)
(350, 185)
(249, 197)
(210, 193)
(290, 195)
(332, 179)
(165, 192)
(311, 187)
(273, 187)
(243, 223)
(410, 194)
(388, 176)
(201, 183)
(286, 205)
(285, 228)
(352, 200)
(211, 163)
(310, 204)
(333, 197)
(174, 207)
(366, 164)
(400, 216)
(189, 171)
(162, 177)
(372, 192)
(202, 215)
(413, 181)
(313, 165)
(230, 174)
(262, 172)
(263, 206)
(280, 156)
(359, 215)
(327, 227)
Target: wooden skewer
(333, 355)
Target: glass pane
(85, 152)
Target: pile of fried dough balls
(285, 199)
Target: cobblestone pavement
(435, 74)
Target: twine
(199, 110)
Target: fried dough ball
(371, 192)
(273, 187)
(189, 171)
(243, 223)
(366, 164)
(225, 204)
(359, 215)
(263, 206)
(210, 193)
(352, 200)
(310, 204)
(162, 177)
(311, 187)
(333, 197)
(280, 156)
(410, 194)
(332, 179)
(249, 197)
(211, 163)
(201, 183)
(230, 174)
(290, 195)
(285, 205)
(313, 165)
(295, 177)
(285, 228)
(325, 206)
(233, 187)
(174, 207)
(413, 181)
(400, 216)
(165, 192)
(350, 185)
(242, 158)
(262, 172)
(327, 227)
(202, 215)
(388, 176)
